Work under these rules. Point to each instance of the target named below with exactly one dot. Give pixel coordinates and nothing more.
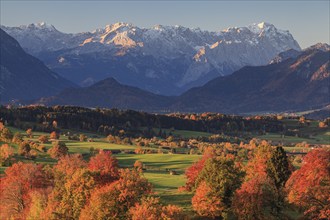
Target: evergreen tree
(279, 172)
(218, 181)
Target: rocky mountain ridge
(163, 59)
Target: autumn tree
(111, 138)
(6, 134)
(76, 193)
(2, 126)
(43, 139)
(309, 187)
(205, 203)
(217, 181)
(322, 124)
(151, 209)
(262, 189)
(62, 172)
(103, 204)
(24, 148)
(38, 204)
(54, 135)
(20, 179)
(251, 200)
(58, 150)
(132, 187)
(113, 201)
(68, 164)
(139, 150)
(104, 166)
(82, 137)
(138, 165)
(70, 177)
(17, 138)
(193, 171)
(6, 152)
(29, 133)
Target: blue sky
(308, 21)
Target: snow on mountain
(197, 55)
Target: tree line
(112, 121)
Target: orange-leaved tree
(70, 177)
(38, 204)
(67, 201)
(6, 152)
(266, 174)
(205, 203)
(309, 187)
(105, 167)
(114, 200)
(251, 199)
(54, 135)
(151, 209)
(58, 150)
(138, 165)
(20, 179)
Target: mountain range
(293, 79)
(292, 84)
(165, 60)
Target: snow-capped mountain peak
(257, 28)
(263, 24)
(38, 26)
(117, 26)
(178, 56)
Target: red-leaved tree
(113, 201)
(105, 166)
(309, 187)
(193, 171)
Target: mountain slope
(300, 83)
(293, 84)
(162, 59)
(109, 93)
(23, 76)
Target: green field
(323, 138)
(159, 161)
(309, 133)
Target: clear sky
(308, 21)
